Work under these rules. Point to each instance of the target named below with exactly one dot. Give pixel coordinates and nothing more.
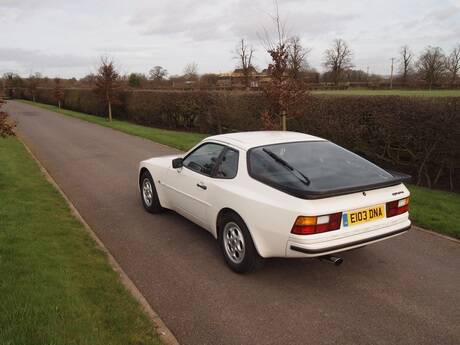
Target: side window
(228, 167)
(203, 160)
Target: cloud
(68, 37)
(27, 58)
(206, 20)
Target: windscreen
(313, 167)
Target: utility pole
(391, 75)
(283, 120)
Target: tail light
(317, 224)
(397, 207)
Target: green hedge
(416, 135)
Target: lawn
(430, 209)
(413, 93)
(177, 139)
(436, 210)
(56, 285)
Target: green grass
(413, 93)
(177, 139)
(56, 285)
(436, 210)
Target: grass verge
(56, 285)
(408, 93)
(177, 139)
(431, 209)
(436, 210)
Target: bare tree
(88, 80)
(431, 65)
(337, 59)
(158, 73)
(297, 58)
(107, 83)
(32, 84)
(405, 64)
(11, 81)
(191, 71)
(58, 92)
(244, 54)
(453, 64)
(277, 47)
(285, 95)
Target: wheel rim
(234, 242)
(147, 192)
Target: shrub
(419, 136)
(6, 127)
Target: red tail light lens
(317, 224)
(397, 207)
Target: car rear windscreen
(313, 167)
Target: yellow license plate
(364, 215)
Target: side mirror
(177, 163)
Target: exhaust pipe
(335, 260)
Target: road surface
(402, 291)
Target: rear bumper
(295, 249)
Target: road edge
(19, 100)
(434, 233)
(164, 333)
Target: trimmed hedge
(416, 135)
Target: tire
(149, 195)
(237, 245)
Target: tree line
(431, 68)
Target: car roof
(248, 140)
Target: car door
(189, 186)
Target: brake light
(316, 224)
(397, 207)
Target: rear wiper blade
(300, 176)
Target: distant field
(413, 93)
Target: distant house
(236, 79)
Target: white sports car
(278, 194)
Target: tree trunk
(283, 121)
(33, 98)
(438, 175)
(110, 111)
(59, 104)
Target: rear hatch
(317, 169)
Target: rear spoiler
(398, 178)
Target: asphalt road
(402, 291)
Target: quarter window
(228, 166)
(204, 159)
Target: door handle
(201, 185)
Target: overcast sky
(66, 38)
